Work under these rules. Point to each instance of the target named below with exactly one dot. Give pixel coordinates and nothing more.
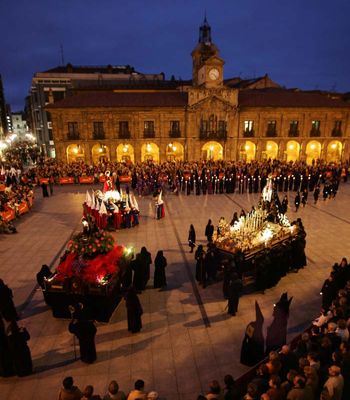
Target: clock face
(214, 74)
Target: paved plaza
(187, 338)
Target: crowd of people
(318, 366)
(69, 391)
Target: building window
(222, 126)
(294, 128)
(248, 128)
(174, 129)
(98, 132)
(124, 132)
(73, 132)
(271, 128)
(148, 129)
(337, 128)
(50, 134)
(315, 128)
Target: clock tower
(207, 67)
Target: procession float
(91, 272)
(263, 245)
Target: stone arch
(75, 152)
(334, 151)
(271, 150)
(150, 152)
(125, 153)
(174, 151)
(248, 151)
(212, 151)
(292, 150)
(313, 151)
(99, 153)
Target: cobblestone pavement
(176, 354)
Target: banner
(86, 179)
(125, 179)
(44, 180)
(23, 208)
(66, 179)
(2, 188)
(8, 215)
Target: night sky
(299, 43)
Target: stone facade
(205, 118)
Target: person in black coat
(19, 350)
(316, 194)
(138, 279)
(234, 291)
(85, 330)
(7, 307)
(145, 262)
(199, 255)
(44, 189)
(134, 311)
(209, 230)
(42, 274)
(297, 202)
(328, 291)
(6, 365)
(160, 263)
(192, 238)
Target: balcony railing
(220, 135)
(124, 135)
(149, 134)
(174, 133)
(271, 133)
(315, 133)
(293, 133)
(73, 136)
(98, 135)
(248, 134)
(337, 133)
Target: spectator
(231, 389)
(139, 392)
(335, 383)
(88, 394)
(298, 391)
(69, 391)
(215, 392)
(275, 392)
(114, 393)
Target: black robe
(159, 273)
(6, 365)
(20, 353)
(134, 312)
(7, 307)
(85, 331)
(252, 350)
(138, 279)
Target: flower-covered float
(90, 272)
(263, 245)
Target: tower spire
(205, 31)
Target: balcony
(149, 134)
(73, 136)
(293, 133)
(248, 134)
(315, 133)
(219, 135)
(271, 133)
(174, 134)
(337, 133)
(124, 135)
(98, 135)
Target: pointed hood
(88, 199)
(93, 204)
(103, 209)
